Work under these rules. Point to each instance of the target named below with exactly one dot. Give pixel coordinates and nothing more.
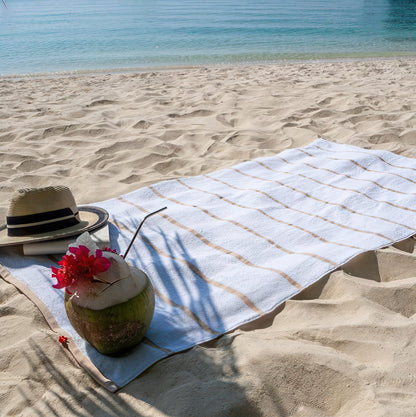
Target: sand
(344, 347)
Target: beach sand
(344, 347)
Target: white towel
(236, 243)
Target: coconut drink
(108, 302)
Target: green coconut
(114, 312)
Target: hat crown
(39, 210)
(27, 201)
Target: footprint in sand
(196, 113)
(101, 102)
(142, 124)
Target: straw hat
(47, 213)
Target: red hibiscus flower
(79, 266)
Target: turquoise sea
(84, 35)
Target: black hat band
(41, 222)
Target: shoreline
(213, 65)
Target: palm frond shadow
(178, 259)
(200, 370)
(66, 394)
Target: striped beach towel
(235, 244)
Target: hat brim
(92, 218)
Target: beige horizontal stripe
(366, 180)
(279, 220)
(334, 186)
(148, 342)
(187, 311)
(324, 201)
(344, 226)
(327, 202)
(224, 250)
(369, 169)
(196, 270)
(321, 258)
(366, 169)
(210, 281)
(375, 156)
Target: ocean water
(39, 36)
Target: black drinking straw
(140, 225)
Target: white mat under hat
(236, 243)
